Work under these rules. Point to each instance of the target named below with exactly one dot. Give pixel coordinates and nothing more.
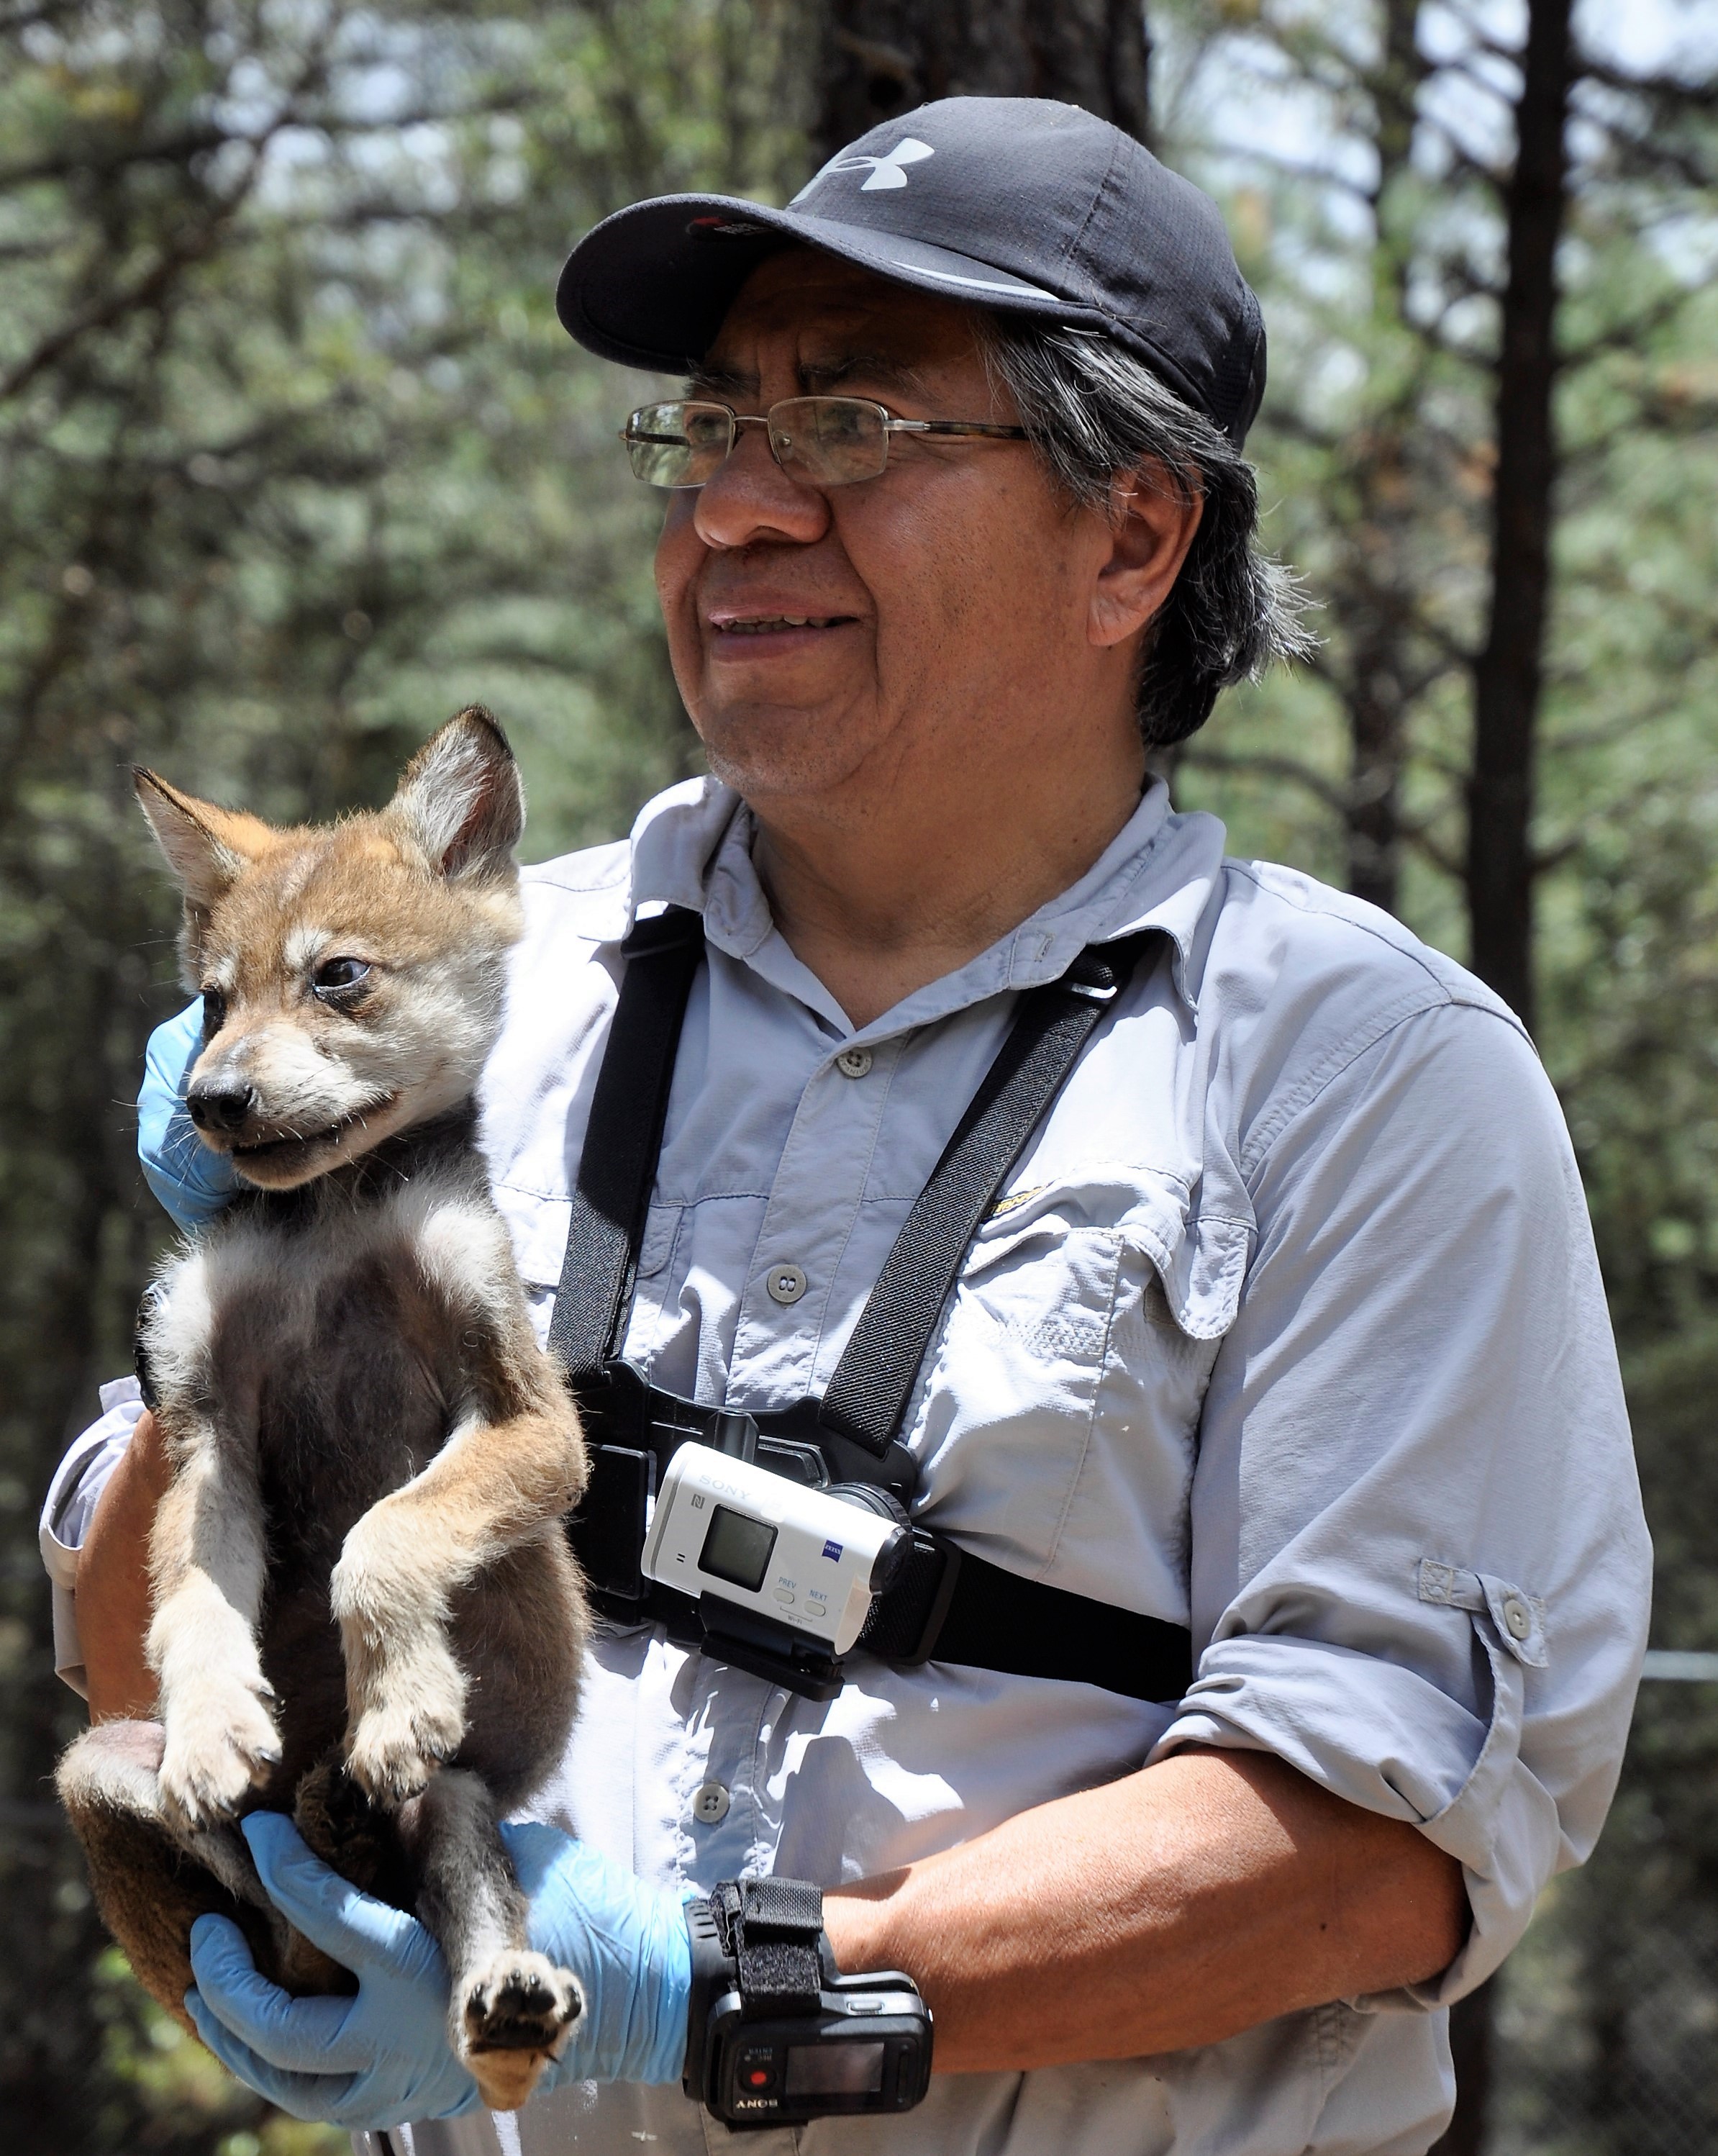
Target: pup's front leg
(405, 1692)
(498, 1480)
(206, 1560)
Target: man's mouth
(774, 624)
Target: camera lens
(886, 1567)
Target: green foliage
(294, 460)
(189, 2101)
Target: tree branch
(1335, 797)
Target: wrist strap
(762, 1937)
(775, 1931)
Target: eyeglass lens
(679, 445)
(831, 439)
(828, 440)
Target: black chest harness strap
(946, 1602)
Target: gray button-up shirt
(1288, 1328)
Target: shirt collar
(692, 847)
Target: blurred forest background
(294, 459)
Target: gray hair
(1093, 411)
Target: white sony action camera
(810, 1559)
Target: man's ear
(460, 803)
(1152, 524)
(207, 847)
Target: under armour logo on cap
(885, 171)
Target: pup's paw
(395, 1747)
(511, 2020)
(220, 1744)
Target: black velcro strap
(874, 1380)
(947, 1605)
(784, 1908)
(774, 1929)
(996, 1620)
(617, 1166)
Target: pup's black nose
(218, 1104)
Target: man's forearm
(1176, 1907)
(113, 1581)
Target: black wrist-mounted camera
(775, 2034)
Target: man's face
(946, 603)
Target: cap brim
(650, 286)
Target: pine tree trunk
(1371, 596)
(1508, 677)
(882, 57)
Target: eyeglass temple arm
(890, 424)
(895, 426)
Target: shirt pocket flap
(1200, 1259)
(538, 1227)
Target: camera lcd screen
(737, 1549)
(834, 2069)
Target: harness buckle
(1092, 978)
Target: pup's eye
(214, 1012)
(334, 974)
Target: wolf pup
(365, 1609)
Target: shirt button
(710, 1807)
(853, 1062)
(1517, 1616)
(785, 1283)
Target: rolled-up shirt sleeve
(1419, 1555)
(78, 1483)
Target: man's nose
(751, 499)
(221, 1104)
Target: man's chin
(776, 752)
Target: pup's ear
(207, 847)
(460, 802)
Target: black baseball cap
(1017, 203)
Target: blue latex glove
(377, 2060)
(192, 1181)
(382, 2059)
(628, 1945)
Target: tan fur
(364, 1605)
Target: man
(1285, 1326)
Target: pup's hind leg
(510, 2009)
(151, 1880)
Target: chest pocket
(1048, 1286)
(538, 1228)
(1057, 1419)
